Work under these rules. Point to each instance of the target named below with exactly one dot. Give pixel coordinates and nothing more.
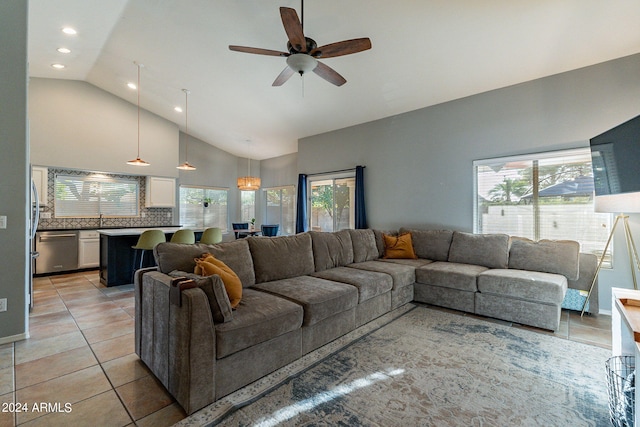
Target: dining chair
(239, 226)
(270, 229)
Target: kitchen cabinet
(160, 192)
(40, 174)
(88, 249)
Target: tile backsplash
(149, 217)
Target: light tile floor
(81, 352)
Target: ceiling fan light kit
(303, 51)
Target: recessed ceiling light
(69, 30)
(57, 66)
(63, 50)
(132, 85)
(178, 109)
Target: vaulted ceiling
(424, 53)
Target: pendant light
(249, 183)
(186, 166)
(138, 161)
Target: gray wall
(419, 164)
(14, 172)
(76, 125)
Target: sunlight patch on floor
(291, 411)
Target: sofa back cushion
(364, 245)
(488, 250)
(430, 244)
(548, 256)
(379, 239)
(331, 250)
(180, 256)
(281, 257)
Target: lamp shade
(302, 63)
(249, 183)
(618, 203)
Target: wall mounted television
(615, 156)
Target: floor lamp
(618, 203)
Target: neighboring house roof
(581, 186)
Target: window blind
(91, 196)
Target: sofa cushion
(430, 244)
(216, 293)
(179, 256)
(402, 275)
(208, 265)
(259, 318)
(320, 298)
(398, 247)
(525, 285)
(364, 245)
(452, 275)
(380, 242)
(331, 249)
(369, 283)
(281, 257)
(549, 256)
(489, 250)
(415, 263)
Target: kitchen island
(117, 255)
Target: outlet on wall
(3, 304)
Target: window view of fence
(332, 204)
(543, 196)
(203, 207)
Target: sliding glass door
(332, 203)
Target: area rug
(426, 367)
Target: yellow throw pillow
(207, 265)
(398, 246)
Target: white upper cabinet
(160, 192)
(39, 175)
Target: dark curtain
(360, 210)
(301, 211)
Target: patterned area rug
(429, 368)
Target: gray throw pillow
(213, 287)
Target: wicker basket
(621, 387)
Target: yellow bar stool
(211, 236)
(184, 236)
(146, 242)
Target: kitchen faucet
(100, 221)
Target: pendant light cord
(138, 110)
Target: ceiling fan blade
(283, 76)
(329, 74)
(345, 47)
(293, 28)
(257, 50)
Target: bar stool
(184, 236)
(146, 242)
(211, 236)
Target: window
(280, 204)
(541, 196)
(332, 204)
(203, 207)
(247, 205)
(95, 195)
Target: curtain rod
(330, 172)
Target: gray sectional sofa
(301, 292)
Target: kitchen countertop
(138, 231)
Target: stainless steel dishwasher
(58, 251)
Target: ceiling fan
(303, 52)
